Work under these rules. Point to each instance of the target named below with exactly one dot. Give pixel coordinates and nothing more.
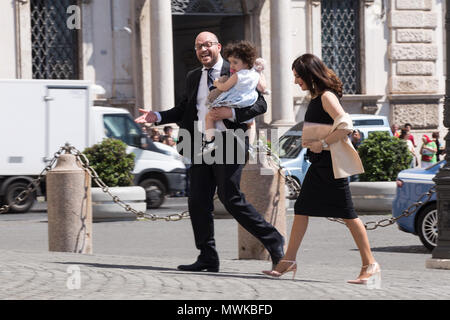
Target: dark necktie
(210, 79)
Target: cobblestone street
(138, 260)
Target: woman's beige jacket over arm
(345, 158)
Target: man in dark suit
(189, 114)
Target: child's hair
(243, 50)
(316, 75)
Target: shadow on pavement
(245, 276)
(118, 266)
(403, 249)
(174, 271)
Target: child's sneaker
(208, 147)
(252, 152)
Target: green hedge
(383, 157)
(111, 162)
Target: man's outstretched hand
(146, 117)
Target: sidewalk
(137, 260)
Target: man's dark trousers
(204, 178)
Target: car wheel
(155, 192)
(290, 192)
(427, 226)
(12, 191)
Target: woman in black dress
(321, 194)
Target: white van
(40, 116)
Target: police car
(411, 184)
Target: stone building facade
(389, 53)
(416, 63)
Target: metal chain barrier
(33, 185)
(292, 184)
(139, 214)
(83, 160)
(274, 159)
(372, 225)
(425, 197)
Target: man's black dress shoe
(276, 259)
(199, 266)
(278, 254)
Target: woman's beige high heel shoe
(373, 278)
(276, 274)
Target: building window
(54, 45)
(207, 7)
(341, 41)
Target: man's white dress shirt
(202, 95)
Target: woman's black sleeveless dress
(321, 195)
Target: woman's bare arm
(333, 107)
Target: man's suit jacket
(184, 114)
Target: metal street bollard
(264, 188)
(69, 207)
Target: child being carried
(239, 90)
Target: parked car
(293, 155)
(411, 184)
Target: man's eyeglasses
(207, 44)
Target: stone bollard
(264, 188)
(69, 207)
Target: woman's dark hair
(317, 76)
(243, 50)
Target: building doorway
(186, 27)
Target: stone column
(122, 68)
(17, 59)
(281, 62)
(162, 55)
(412, 51)
(413, 56)
(69, 207)
(441, 254)
(143, 54)
(264, 188)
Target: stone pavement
(137, 260)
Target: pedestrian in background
(408, 127)
(395, 130)
(356, 138)
(428, 151)
(404, 135)
(168, 132)
(168, 140)
(155, 135)
(440, 148)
